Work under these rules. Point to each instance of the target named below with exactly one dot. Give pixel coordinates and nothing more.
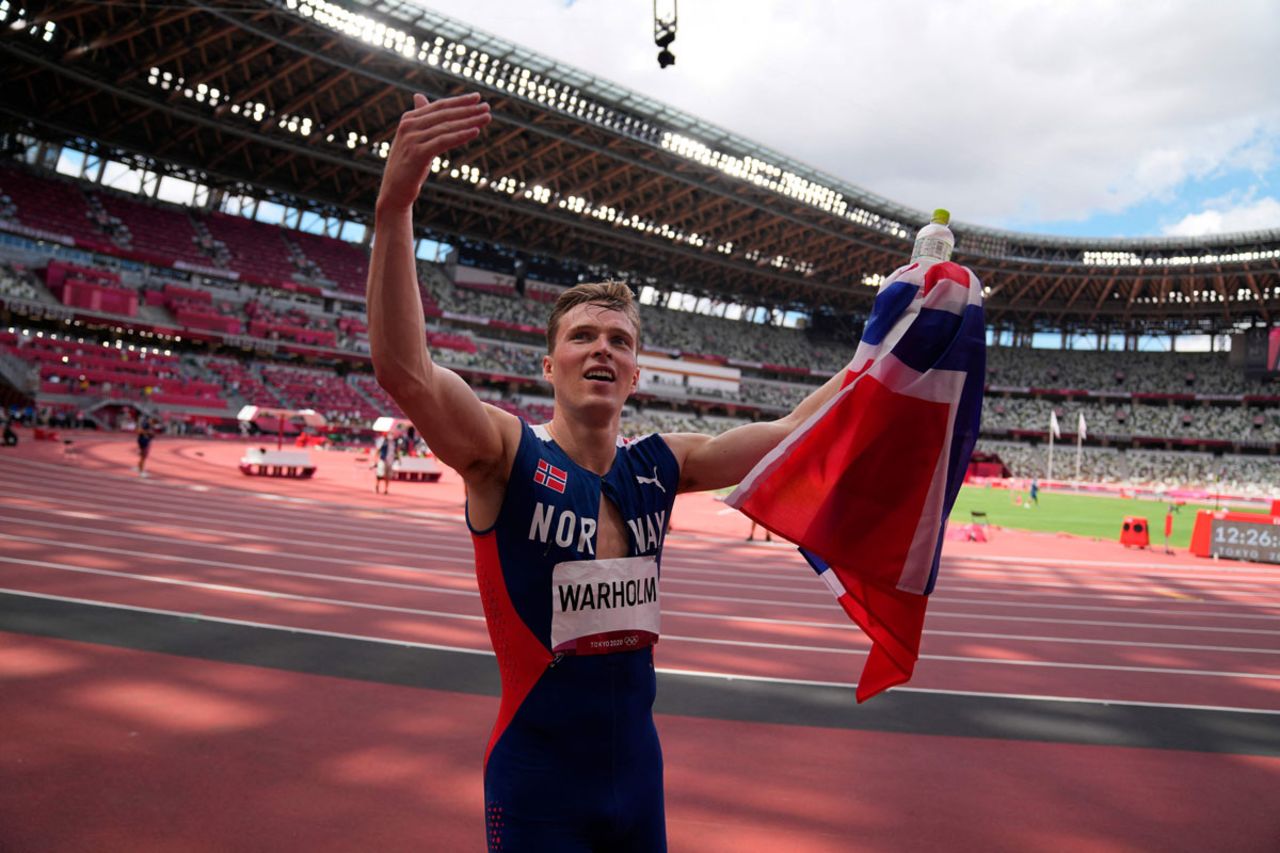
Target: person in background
(146, 432)
(383, 456)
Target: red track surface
(308, 762)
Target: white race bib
(604, 606)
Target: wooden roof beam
(124, 34)
(160, 59)
(1257, 295)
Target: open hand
(425, 132)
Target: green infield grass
(1083, 515)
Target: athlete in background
(384, 458)
(567, 522)
(146, 432)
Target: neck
(590, 443)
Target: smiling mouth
(599, 376)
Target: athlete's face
(594, 363)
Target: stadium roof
(300, 99)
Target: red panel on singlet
(521, 658)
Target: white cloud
(1254, 215)
(1002, 110)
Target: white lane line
(1076, 563)
(369, 522)
(818, 589)
(1172, 611)
(981, 694)
(787, 589)
(1095, 580)
(1157, 592)
(266, 570)
(456, 540)
(945, 614)
(677, 557)
(222, 620)
(280, 539)
(76, 484)
(674, 569)
(719, 676)
(170, 542)
(242, 590)
(234, 521)
(830, 605)
(934, 632)
(1000, 582)
(1209, 571)
(472, 593)
(437, 539)
(128, 490)
(798, 647)
(1107, 667)
(822, 593)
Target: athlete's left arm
(714, 462)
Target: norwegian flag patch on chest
(550, 476)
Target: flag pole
(1079, 450)
(1049, 476)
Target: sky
(1097, 118)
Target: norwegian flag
(550, 476)
(865, 486)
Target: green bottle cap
(942, 216)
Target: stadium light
(664, 33)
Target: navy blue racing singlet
(574, 763)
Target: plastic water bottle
(935, 241)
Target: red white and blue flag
(865, 486)
(550, 476)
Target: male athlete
(146, 433)
(567, 522)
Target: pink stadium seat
(258, 251)
(157, 230)
(49, 204)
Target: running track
(201, 660)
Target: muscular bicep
(715, 462)
(463, 431)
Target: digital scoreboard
(1237, 536)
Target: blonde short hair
(613, 295)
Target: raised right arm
(466, 434)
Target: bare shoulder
(714, 462)
(684, 443)
(498, 467)
(486, 481)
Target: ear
(635, 381)
(546, 368)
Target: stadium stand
(337, 261)
(242, 382)
(157, 232)
(1159, 469)
(321, 390)
(91, 372)
(257, 252)
(48, 207)
(1161, 417)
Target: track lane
(1094, 628)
